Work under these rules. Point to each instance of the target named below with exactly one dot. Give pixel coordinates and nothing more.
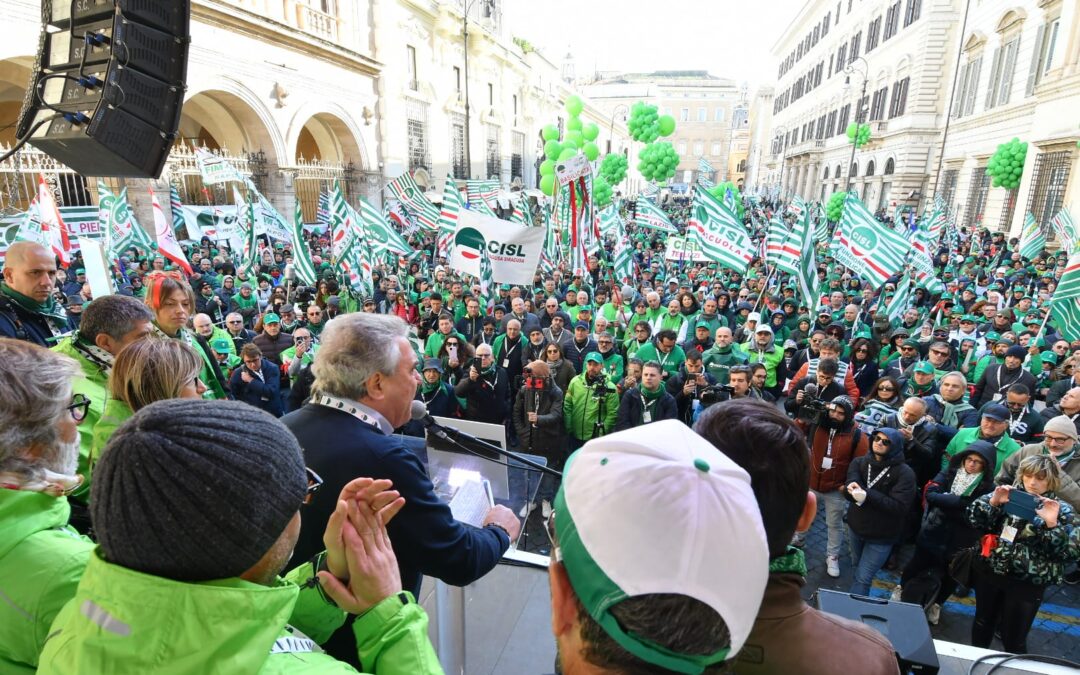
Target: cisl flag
(52, 225)
(166, 240)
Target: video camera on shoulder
(714, 393)
(531, 381)
(812, 410)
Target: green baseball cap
(221, 345)
(270, 317)
(924, 367)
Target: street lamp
(865, 73)
(611, 127)
(466, 5)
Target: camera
(304, 294)
(714, 393)
(812, 410)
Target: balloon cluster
(657, 161)
(613, 168)
(1007, 164)
(579, 136)
(859, 134)
(646, 125)
(835, 208)
(601, 191)
(720, 191)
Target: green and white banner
(81, 221)
(514, 251)
(679, 248)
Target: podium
(513, 484)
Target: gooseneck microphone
(419, 413)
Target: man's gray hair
(354, 347)
(113, 315)
(37, 390)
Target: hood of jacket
(23, 513)
(157, 625)
(896, 447)
(984, 449)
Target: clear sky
(728, 38)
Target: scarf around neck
(792, 561)
(49, 309)
(652, 395)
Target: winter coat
(996, 380)
(847, 445)
(865, 376)
(41, 562)
(718, 362)
(487, 399)
(94, 384)
(881, 516)
(1070, 472)
(935, 407)
(548, 437)
(945, 528)
(965, 437)
(770, 358)
(684, 402)
(563, 374)
(632, 409)
(576, 353)
(921, 452)
(581, 409)
(263, 393)
(228, 625)
(1038, 554)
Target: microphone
(419, 413)
(810, 390)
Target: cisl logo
(469, 243)
(864, 237)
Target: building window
(514, 98)
(1001, 73)
(699, 148)
(825, 24)
(830, 125)
(410, 66)
(416, 126)
(457, 79)
(892, 21)
(702, 114)
(841, 57)
(899, 98)
(684, 115)
(968, 79)
(719, 115)
(457, 146)
(911, 12)
(873, 34)
(1042, 57)
(494, 164)
(877, 105)
(843, 119)
(491, 94)
(681, 148)
(1050, 176)
(976, 202)
(715, 150)
(856, 41)
(948, 185)
(517, 156)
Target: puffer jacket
(1038, 554)
(548, 437)
(125, 621)
(581, 409)
(945, 528)
(881, 516)
(848, 443)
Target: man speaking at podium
(365, 380)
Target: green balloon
(552, 149)
(574, 105)
(547, 184)
(547, 167)
(573, 124)
(576, 137)
(550, 133)
(591, 151)
(666, 125)
(567, 154)
(590, 131)
(571, 143)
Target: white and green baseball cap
(657, 509)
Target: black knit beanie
(196, 490)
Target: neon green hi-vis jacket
(41, 561)
(123, 621)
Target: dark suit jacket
(426, 538)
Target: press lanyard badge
(1008, 533)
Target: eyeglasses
(861, 349)
(452, 343)
(907, 349)
(939, 352)
(883, 441)
(549, 530)
(484, 356)
(886, 387)
(314, 482)
(1057, 440)
(234, 321)
(79, 406)
(553, 351)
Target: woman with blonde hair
(171, 299)
(144, 372)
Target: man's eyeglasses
(234, 322)
(549, 529)
(314, 482)
(939, 352)
(78, 407)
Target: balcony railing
(316, 22)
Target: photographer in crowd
(692, 388)
(590, 403)
(486, 390)
(538, 420)
(648, 402)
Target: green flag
(1032, 240)
(716, 229)
(305, 270)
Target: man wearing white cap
(635, 582)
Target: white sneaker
(545, 509)
(933, 615)
(832, 565)
(897, 591)
(798, 539)
(528, 508)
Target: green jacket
(435, 342)
(769, 358)
(41, 560)
(669, 363)
(614, 366)
(581, 409)
(718, 362)
(966, 436)
(95, 386)
(123, 621)
(116, 413)
(715, 321)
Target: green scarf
(49, 309)
(792, 561)
(950, 414)
(490, 370)
(430, 388)
(651, 396)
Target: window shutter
(995, 72)
(1036, 62)
(973, 85)
(961, 96)
(1011, 50)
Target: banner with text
(514, 250)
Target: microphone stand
(452, 435)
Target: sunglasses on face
(883, 441)
(886, 387)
